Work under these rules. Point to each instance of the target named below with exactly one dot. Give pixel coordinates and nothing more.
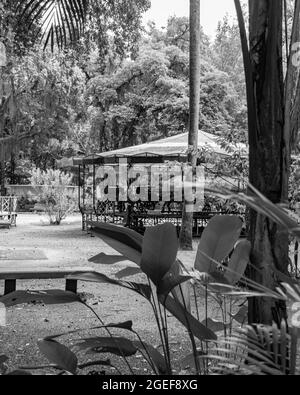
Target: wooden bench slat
(25, 273)
(32, 273)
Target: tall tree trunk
(2, 144)
(186, 235)
(13, 169)
(269, 153)
(2, 178)
(292, 83)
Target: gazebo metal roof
(167, 149)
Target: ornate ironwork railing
(140, 215)
(136, 215)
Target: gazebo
(136, 213)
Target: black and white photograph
(149, 190)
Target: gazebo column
(80, 195)
(84, 215)
(79, 186)
(128, 214)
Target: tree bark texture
(269, 153)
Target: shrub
(53, 193)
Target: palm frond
(60, 21)
(256, 350)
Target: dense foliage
(109, 93)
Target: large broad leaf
(47, 297)
(217, 241)
(94, 277)
(159, 262)
(127, 325)
(161, 239)
(241, 315)
(189, 321)
(169, 283)
(113, 345)
(130, 244)
(152, 353)
(182, 293)
(238, 262)
(128, 272)
(160, 247)
(126, 241)
(59, 354)
(174, 281)
(142, 289)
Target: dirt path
(67, 245)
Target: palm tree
(2, 144)
(186, 236)
(62, 21)
(292, 83)
(7, 111)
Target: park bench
(11, 275)
(8, 211)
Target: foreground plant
(218, 273)
(167, 289)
